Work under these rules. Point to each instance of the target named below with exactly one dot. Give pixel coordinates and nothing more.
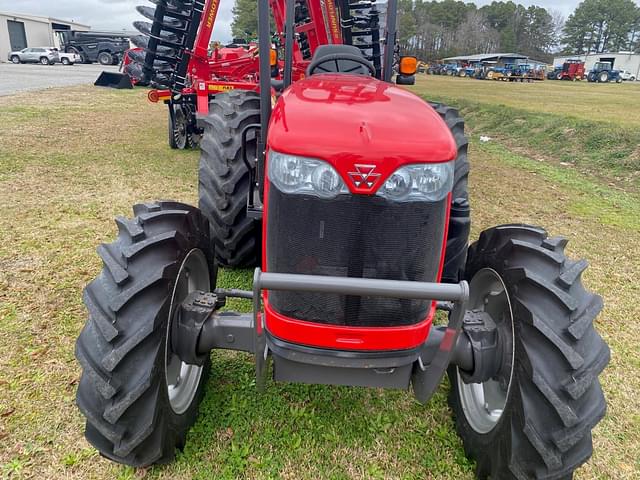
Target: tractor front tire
(224, 180)
(552, 397)
(459, 220)
(135, 414)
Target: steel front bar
(426, 377)
(362, 286)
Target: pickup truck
(69, 58)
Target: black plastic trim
(341, 358)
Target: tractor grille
(353, 236)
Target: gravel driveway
(19, 78)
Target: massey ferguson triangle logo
(364, 176)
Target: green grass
(618, 104)
(580, 131)
(58, 205)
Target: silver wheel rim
(180, 128)
(182, 379)
(484, 403)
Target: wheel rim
(484, 403)
(179, 128)
(182, 379)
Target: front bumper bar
(203, 330)
(425, 375)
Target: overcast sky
(119, 14)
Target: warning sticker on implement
(221, 88)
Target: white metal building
(621, 61)
(18, 31)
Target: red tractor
(573, 70)
(350, 195)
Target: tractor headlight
(302, 175)
(428, 182)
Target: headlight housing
(425, 182)
(302, 175)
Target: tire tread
(224, 179)
(556, 398)
(121, 347)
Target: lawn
(615, 103)
(593, 128)
(71, 160)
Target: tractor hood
(350, 120)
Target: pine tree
(245, 20)
(599, 26)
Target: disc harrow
(165, 40)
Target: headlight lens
(428, 182)
(301, 175)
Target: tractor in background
(467, 71)
(451, 69)
(553, 74)
(522, 72)
(349, 194)
(435, 69)
(496, 73)
(573, 70)
(603, 72)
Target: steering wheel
(337, 57)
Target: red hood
(353, 120)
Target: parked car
(628, 76)
(43, 55)
(69, 58)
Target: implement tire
(553, 399)
(224, 180)
(460, 219)
(135, 415)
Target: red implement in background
(175, 55)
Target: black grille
(353, 236)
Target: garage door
(17, 37)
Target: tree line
(434, 30)
(599, 26)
